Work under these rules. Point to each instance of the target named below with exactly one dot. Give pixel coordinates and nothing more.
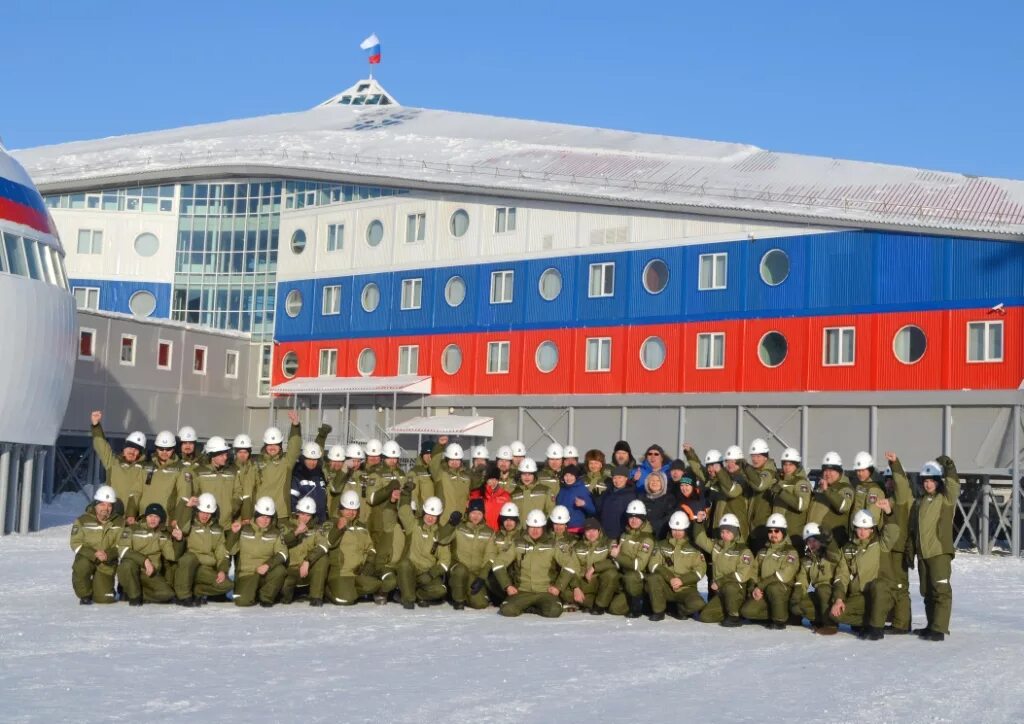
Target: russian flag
(372, 46)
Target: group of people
(602, 535)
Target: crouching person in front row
(427, 559)
(862, 594)
(733, 566)
(144, 550)
(299, 532)
(596, 587)
(342, 558)
(472, 540)
(676, 567)
(775, 571)
(262, 557)
(543, 571)
(94, 538)
(812, 589)
(203, 570)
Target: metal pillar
(519, 424)
(873, 432)
(984, 523)
(572, 426)
(27, 484)
(1015, 509)
(947, 430)
(40, 482)
(624, 424)
(805, 417)
(5, 471)
(682, 431)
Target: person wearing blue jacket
(611, 509)
(654, 461)
(575, 496)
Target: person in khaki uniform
(165, 481)
(812, 589)
(126, 472)
(550, 475)
(94, 538)
(246, 477)
(529, 495)
(931, 539)
(427, 558)
(597, 583)
(862, 589)
(832, 501)
(534, 572)
(219, 479)
(760, 476)
(144, 549)
(776, 568)
(383, 492)
(451, 481)
(633, 553)
(262, 556)
(299, 534)
(471, 543)
(866, 491)
(352, 476)
(501, 550)
(341, 558)
(675, 570)
(202, 571)
(419, 476)
(725, 485)
(791, 495)
(732, 564)
(901, 500)
(275, 466)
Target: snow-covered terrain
(61, 661)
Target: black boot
(380, 599)
(657, 616)
(85, 601)
(933, 636)
(732, 622)
(872, 634)
(408, 606)
(636, 606)
(316, 602)
(776, 625)
(598, 611)
(186, 602)
(892, 631)
(458, 605)
(135, 602)
(921, 631)
(266, 604)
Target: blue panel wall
(463, 316)
(601, 310)
(377, 322)
(335, 325)
(986, 271)
(664, 305)
(909, 269)
(414, 319)
(840, 270)
(502, 316)
(714, 303)
(791, 294)
(302, 323)
(114, 295)
(539, 311)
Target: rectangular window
(839, 345)
(501, 286)
(328, 363)
(90, 241)
(710, 350)
(332, 300)
(87, 297)
(712, 272)
(497, 357)
(128, 350)
(335, 237)
(504, 219)
(984, 341)
(164, 349)
(415, 228)
(86, 343)
(602, 279)
(199, 360)
(412, 293)
(231, 364)
(408, 359)
(266, 359)
(599, 354)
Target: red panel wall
(725, 379)
(560, 378)
(597, 383)
(1007, 374)
(926, 373)
(790, 374)
(667, 378)
(463, 382)
(857, 376)
(502, 383)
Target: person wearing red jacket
(494, 496)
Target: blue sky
(936, 84)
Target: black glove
(325, 429)
(476, 586)
(409, 487)
(455, 518)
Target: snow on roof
(445, 425)
(461, 151)
(85, 314)
(402, 384)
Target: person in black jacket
(309, 481)
(611, 507)
(659, 503)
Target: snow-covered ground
(61, 661)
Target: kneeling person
(775, 570)
(470, 546)
(676, 567)
(597, 583)
(144, 549)
(203, 570)
(262, 557)
(542, 571)
(733, 566)
(421, 570)
(300, 537)
(94, 538)
(347, 548)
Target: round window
(455, 291)
(367, 362)
(146, 244)
(459, 223)
(293, 303)
(142, 304)
(773, 349)
(289, 364)
(774, 267)
(655, 276)
(298, 241)
(375, 232)
(909, 344)
(652, 353)
(451, 359)
(370, 297)
(546, 356)
(550, 284)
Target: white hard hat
(207, 503)
(712, 456)
(528, 466)
(791, 455)
(433, 506)
(560, 515)
(306, 505)
(336, 454)
(518, 448)
(776, 520)
(931, 469)
(863, 519)
(105, 494)
(272, 436)
(811, 530)
(165, 439)
(216, 445)
(679, 521)
(570, 452)
(265, 506)
(312, 451)
(863, 461)
(373, 447)
(729, 520)
(504, 453)
(536, 519)
(391, 449)
(354, 452)
(758, 447)
(832, 458)
(137, 439)
(636, 507)
(187, 434)
(509, 510)
(453, 451)
(554, 451)
(350, 500)
(242, 442)
(734, 452)
(481, 452)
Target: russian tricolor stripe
(372, 47)
(22, 205)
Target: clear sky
(931, 84)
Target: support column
(41, 466)
(805, 416)
(5, 473)
(572, 426)
(873, 432)
(28, 479)
(682, 432)
(947, 430)
(624, 423)
(984, 522)
(1016, 468)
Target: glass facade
(135, 198)
(300, 194)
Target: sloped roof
(460, 151)
(403, 385)
(445, 425)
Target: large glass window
(772, 349)
(408, 359)
(332, 300)
(454, 291)
(412, 293)
(266, 362)
(909, 344)
(501, 286)
(655, 276)
(839, 343)
(35, 265)
(90, 241)
(16, 263)
(497, 357)
(712, 270)
(328, 363)
(602, 279)
(415, 228)
(985, 341)
(599, 354)
(451, 359)
(550, 284)
(710, 350)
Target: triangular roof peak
(368, 92)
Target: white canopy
(445, 425)
(403, 385)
